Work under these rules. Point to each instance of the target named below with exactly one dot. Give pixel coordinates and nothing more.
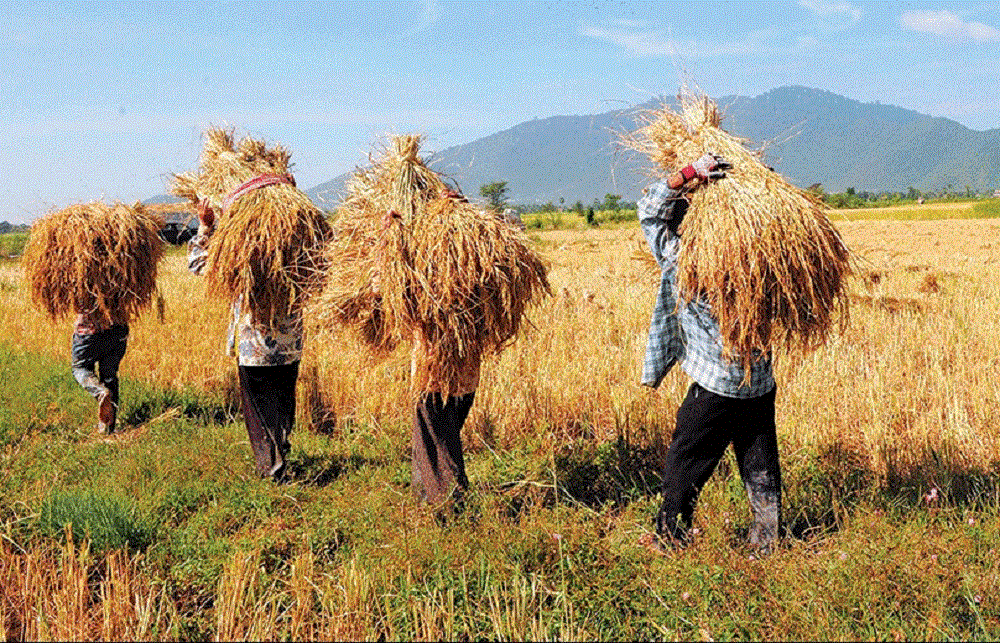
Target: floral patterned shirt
(92, 322)
(253, 344)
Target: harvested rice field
(889, 436)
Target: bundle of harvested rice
(761, 251)
(397, 180)
(267, 250)
(94, 258)
(444, 273)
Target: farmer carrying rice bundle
(748, 263)
(260, 245)
(413, 262)
(97, 262)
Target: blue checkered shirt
(689, 333)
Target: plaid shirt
(689, 334)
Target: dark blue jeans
(96, 358)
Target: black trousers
(438, 464)
(96, 357)
(707, 423)
(268, 395)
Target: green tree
(496, 194)
(612, 202)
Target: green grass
(570, 220)
(107, 520)
(548, 547)
(989, 209)
(12, 243)
(986, 209)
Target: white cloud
(822, 8)
(655, 43)
(948, 25)
(638, 43)
(632, 24)
(430, 12)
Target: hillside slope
(811, 136)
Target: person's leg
(268, 396)
(756, 447)
(83, 364)
(85, 351)
(699, 442)
(459, 407)
(284, 421)
(112, 344)
(438, 463)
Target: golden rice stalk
(761, 251)
(397, 180)
(267, 251)
(457, 277)
(94, 257)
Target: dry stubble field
(893, 427)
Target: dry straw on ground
(94, 258)
(761, 251)
(444, 272)
(266, 253)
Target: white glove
(709, 167)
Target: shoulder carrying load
(444, 270)
(94, 258)
(761, 251)
(266, 253)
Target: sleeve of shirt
(655, 209)
(198, 253)
(665, 345)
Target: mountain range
(810, 136)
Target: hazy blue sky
(104, 100)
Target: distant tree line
(852, 198)
(611, 208)
(614, 208)
(611, 203)
(6, 227)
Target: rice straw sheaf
(267, 250)
(94, 258)
(761, 251)
(456, 276)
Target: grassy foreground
(12, 243)
(889, 444)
